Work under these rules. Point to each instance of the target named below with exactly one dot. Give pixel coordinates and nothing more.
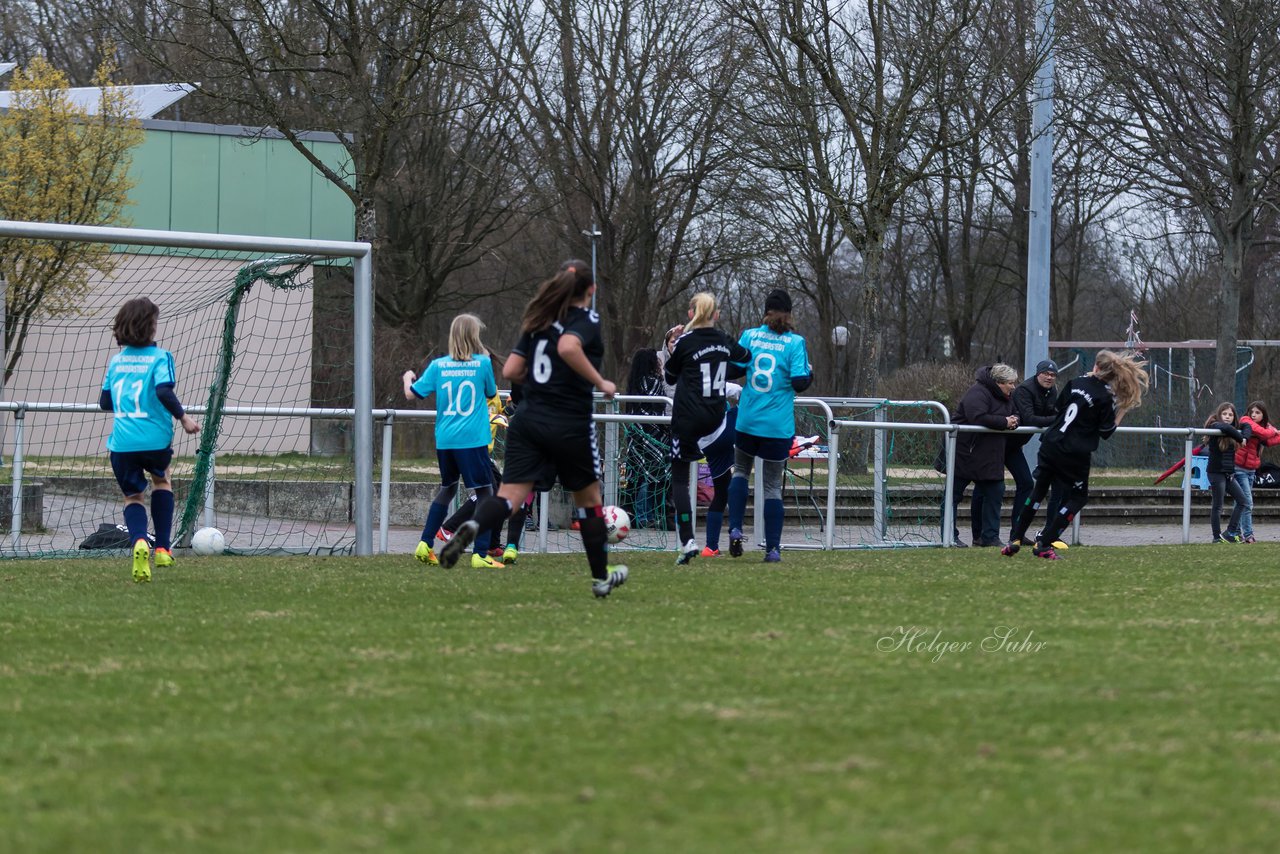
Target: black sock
(595, 540)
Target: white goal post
(224, 245)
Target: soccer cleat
(426, 555)
(1011, 549)
(735, 542)
(458, 543)
(509, 555)
(1060, 545)
(1218, 538)
(687, 552)
(485, 562)
(1250, 539)
(444, 535)
(164, 558)
(497, 552)
(773, 556)
(1235, 538)
(141, 561)
(1026, 541)
(1047, 553)
(710, 552)
(604, 586)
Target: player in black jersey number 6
(557, 360)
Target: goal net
(250, 363)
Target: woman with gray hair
(980, 456)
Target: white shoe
(617, 578)
(687, 552)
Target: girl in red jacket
(1248, 459)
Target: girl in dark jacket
(980, 456)
(1222, 469)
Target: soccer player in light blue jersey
(462, 382)
(139, 390)
(779, 368)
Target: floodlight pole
(593, 234)
(1040, 226)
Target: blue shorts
(132, 467)
(772, 450)
(471, 464)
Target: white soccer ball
(617, 524)
(208, 541)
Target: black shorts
(714, 443)
(538, 450)
(1068, 470)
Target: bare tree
(622, 103)
(884, 68)
(1196, 108)
(432, 170)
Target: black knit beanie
(778, 300)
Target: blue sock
(715, 521)
(772, 523)
(135, 519)
(162, 516)
(737, 502)
(435, 518)
(482, 541)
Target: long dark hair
(554, 296)
(1261, 407)
(645, 378)
(1225, 443)
(135, 323)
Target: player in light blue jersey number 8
(462, 382)
(779, 368)
(138, 390)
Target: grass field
(296, 704)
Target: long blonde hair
(464, 338)
(703, 306)
(1126, 373)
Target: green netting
(279, 274)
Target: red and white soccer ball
(617, 524)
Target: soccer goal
(272, 349)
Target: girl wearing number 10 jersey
(1089, 408)
(779, 369)
(462, 382)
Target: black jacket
(1220, 461)
(1035, 406)
(980, 456)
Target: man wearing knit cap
(779, 368)
(1035, 402)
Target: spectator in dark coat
(648, 445)
(980, 456)
(1035, 402)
